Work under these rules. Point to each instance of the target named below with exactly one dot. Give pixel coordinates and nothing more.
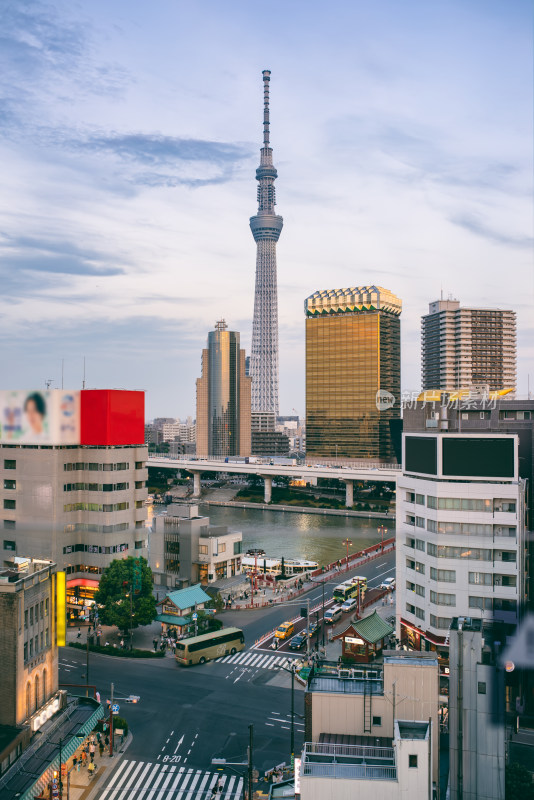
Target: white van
(332, 615)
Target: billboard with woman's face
(39, 417)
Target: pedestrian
(92, 751)
(106, 740)
(79, 633)
(155, 643)
(91, 768)
(98, 697)
(101, 748)
(84, 757)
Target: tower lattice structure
(266, 227)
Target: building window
(10, 463)
(412, 761)
(377, 721)
(441, 599)
(483, 603)
(10, 524)
(237, 548)
(140, 484)
(46, 607)
(481, 578)
(445, 575)
(140, 544)
(420, 522)
(420, 499)
(139, 464)
(9, 484)
(9, 545)
(222, 547)
(26, 619)
(420, 613)
(10, 504)
(25, 651)
(431, 502)
(31, 648)
(481, 687)
(41, 610)
(203, 549)
(31, 616)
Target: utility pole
(323, 615)
(60, 781)
(131, 616)
(292, 715)
(382, 530)
(250, 761)
(111, 724)
(347, 542)
(308, 643)
(87, 665)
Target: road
(187, 716)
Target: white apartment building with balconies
(460, 535)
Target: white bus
(199, 649)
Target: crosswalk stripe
(118, 793)
(148, 782)
(193, 784)
(229, 788)
(177, 780)
(188, 775)
(161, 792)
(263, 662)
(200, 792)
(126, 766)
(240, 658)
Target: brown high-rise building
(352, 373)
(462, 347)
(223, 397)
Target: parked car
(349, 605)
(332, 615)
(298, 641)
(389, 583)
(284, 631)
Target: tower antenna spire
(266, 79)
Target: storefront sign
(351, 640)
(45, 713)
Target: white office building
(460, 535)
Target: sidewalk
(79, 783)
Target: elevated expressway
(348, 472)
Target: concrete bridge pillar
(268, 491)
(349, 493)
(196, 484)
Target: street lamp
(382, 531)
(349, 544)
(292, 671)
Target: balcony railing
(349, 762)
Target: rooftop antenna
(48, 383)
(83, 382)
(266, 79)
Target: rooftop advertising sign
(40, 417)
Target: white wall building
(460, 534)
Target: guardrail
(349, 750)
(339, 464)
(348, 771)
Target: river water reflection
(295, 535)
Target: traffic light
(304, 611)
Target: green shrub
(117, 651)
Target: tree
(518, 782)
(117, 606)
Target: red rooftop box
(112, 417)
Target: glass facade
(351, 355)
(223, 397)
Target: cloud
(23, 256)
(474, 224)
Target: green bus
(200, 649)
(349, 589)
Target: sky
(129, 139)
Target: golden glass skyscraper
(352, 372)
(223, 397)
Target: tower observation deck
(266, 226)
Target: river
(293, 535)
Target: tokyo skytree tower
(266, 227)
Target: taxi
(284, 631)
